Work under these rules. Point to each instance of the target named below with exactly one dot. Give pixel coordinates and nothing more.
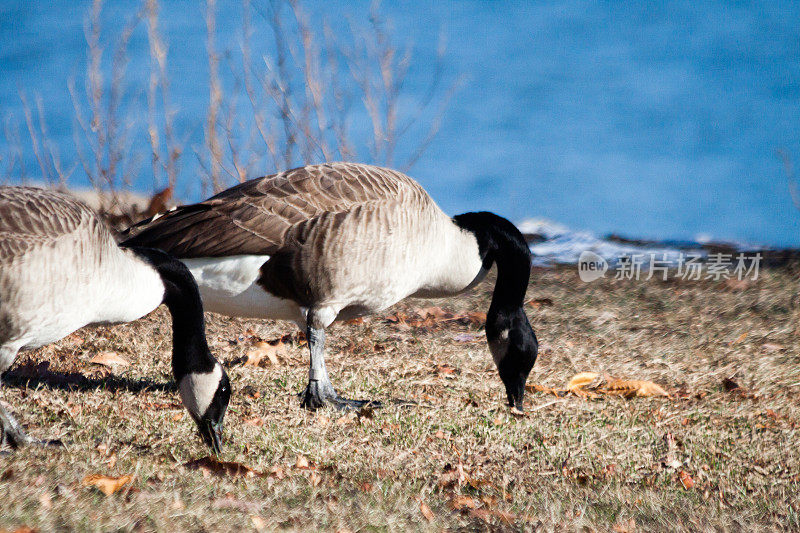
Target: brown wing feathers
(254, 217)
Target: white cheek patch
(198, 389)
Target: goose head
(513, 345)
(206, 395)
(510, 336)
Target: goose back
(338, 235)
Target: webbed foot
(318, 393)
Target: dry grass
(607, 464)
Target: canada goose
(334, 241)
(61, 269)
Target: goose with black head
(334, 241)
(61, 269)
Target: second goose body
(334, 241)
(61, 269)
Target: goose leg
(320, 390)
(12, 432)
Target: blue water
(657, 120)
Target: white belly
(228, 286)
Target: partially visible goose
(334, 241)
(61, 269)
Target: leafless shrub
(101, 131)
(288, 96)
(158, 92)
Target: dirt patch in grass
(444, 452)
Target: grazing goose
(61, 269)
(339, 240)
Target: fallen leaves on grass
(593, 385)
(444, 369)
(211, 465)
(110, 359)
(106, 484)
(453, 477)
(426, 511)
(580, 380)
(265, 353)
(458, 503)
(738, 339)
(638, 388)
(686, 479)
(434, 318)
(537, 303)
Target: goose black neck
(190, 352)
(499, 241)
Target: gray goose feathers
(61, 269)
(332, 241)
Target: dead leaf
(212, 465)
(109, 359)
(276, 472)
(592, 385)
(686, 479)
(739, 339)
(105, 484)
(458, 503)
(444, 369)
(436, 312)
(265, 353)
(301, 462)
(158, 202)
(489, 501)
(453, 477)
(540, 302)
(426, 511)
(474, 318)
(580, 380)
(638, 388)
(258, 523)
(314, 478)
